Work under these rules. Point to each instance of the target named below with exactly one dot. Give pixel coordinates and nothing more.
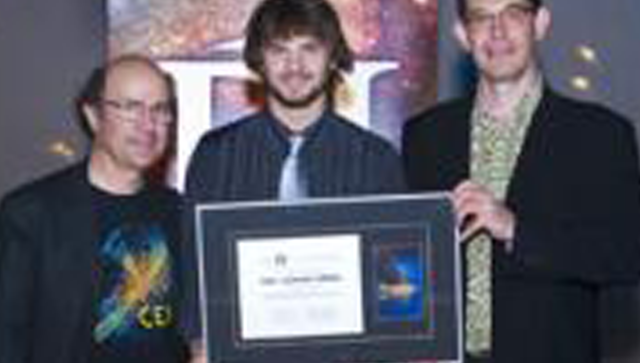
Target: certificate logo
(400, 284)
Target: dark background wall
(47, 48)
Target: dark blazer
(47, 268)
(243, 161)
(576, 194)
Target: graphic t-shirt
(134, 314)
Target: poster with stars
(200, 42)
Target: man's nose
(293, 61)
(498, 25)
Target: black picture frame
(409, 273)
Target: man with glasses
(89, 264)
(546, 190)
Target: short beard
(313, 96)
(324, 89)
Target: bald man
(88, 255)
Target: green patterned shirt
(496, 144)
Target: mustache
(296, 75)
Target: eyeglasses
(513, 14)
(131, 110)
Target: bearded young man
(297, 146)
(298, 50)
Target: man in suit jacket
(88, 255)
(564, 219)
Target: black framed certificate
(358, 279)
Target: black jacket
(48, 276)
(576, 195)
(243, 161)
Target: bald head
(125, 65)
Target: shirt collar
(523, 112)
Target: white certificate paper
(296, 287)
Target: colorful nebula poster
(200, 41)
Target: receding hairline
(463, 6)
(135, 61)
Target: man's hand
(198, 352)
(477, 209)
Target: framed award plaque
(358, 279)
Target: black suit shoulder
(370, 140)
(435, 146)
(374, 163)
(447, 114)
(588, 135)
(51, 188)
(585, 117)
(240, 126)
(216, 143)
(215, 159)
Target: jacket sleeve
(18, 268)
(589, 229)
(412, 154)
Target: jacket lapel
(77, 229)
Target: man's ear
(91, 116)
(461, 35)
(542, 23)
